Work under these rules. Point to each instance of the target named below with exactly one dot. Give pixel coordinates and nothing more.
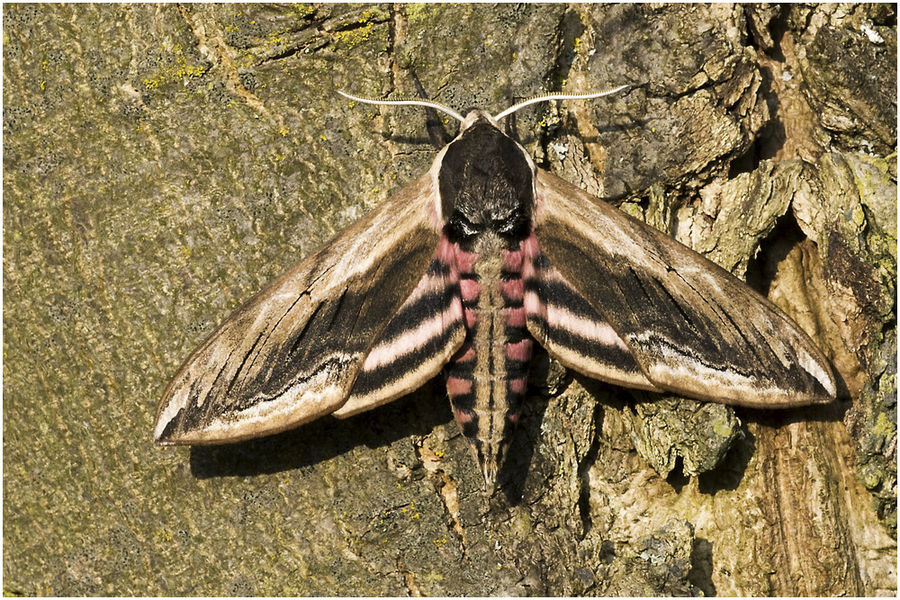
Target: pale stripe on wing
(557, 316)
(413, 339)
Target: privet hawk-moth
(463, 270)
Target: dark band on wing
(383, 375)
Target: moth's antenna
(550, 97)
(405, 102)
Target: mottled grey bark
(162, 163)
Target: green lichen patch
(668, 429)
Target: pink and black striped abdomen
(487, 377)
(513, 297)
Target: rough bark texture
(162, 163)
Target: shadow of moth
(463, 270)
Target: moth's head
(485, 180)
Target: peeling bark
(162, 163)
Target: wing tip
(815, 397)
(193, 437)
(164, 434)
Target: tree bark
(162, 163)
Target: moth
(464, 270)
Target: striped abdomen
(486, 379)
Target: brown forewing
(292, 353)
(694, 328)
